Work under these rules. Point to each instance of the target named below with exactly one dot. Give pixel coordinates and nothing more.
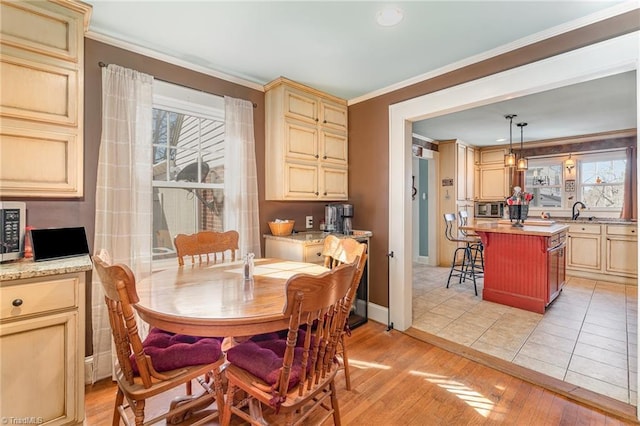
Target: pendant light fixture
(523, 163)
(510, 158)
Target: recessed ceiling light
(389, 16)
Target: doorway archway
(595, 61)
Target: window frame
(569, 197)
(194, 103)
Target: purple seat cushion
(262, 356)
(169, 351)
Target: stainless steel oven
(489, 209)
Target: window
(598, 181)
(544, 180)
(188, 164)
(602, 180)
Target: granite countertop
(593, 219)
(315, 236)
(27, 268)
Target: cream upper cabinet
(41, 107)
(493, 176)
(306, 143)
(455, 189)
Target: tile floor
(587, 337)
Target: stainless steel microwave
(489, 209)
(12, 216)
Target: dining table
(215, 300)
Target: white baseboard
(88, 370)
(378, 313)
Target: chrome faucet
(576, 212)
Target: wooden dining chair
(338, 251)
(205, 243)
(294, 376)
(160, 363)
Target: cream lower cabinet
(42, 350)
(622, 250)
(584, 247)
(603, 251)
(306, 144)
(297, 251)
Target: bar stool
(477, 248)
(465, 267)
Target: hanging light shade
(569, 164)
(510, 158)
(523, 163)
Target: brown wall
(368, 138)
(369, 133)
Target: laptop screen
(56, 243)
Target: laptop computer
(57, 243)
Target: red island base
(524, 268)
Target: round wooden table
(213, 300)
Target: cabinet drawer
(313, 253)
(622, 230)
(38, 297)
(584, 229)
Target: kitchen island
(524, 267)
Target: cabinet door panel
(334, 183)
(334, 115)
(492, 156)
(461, 169)
(38, 91)
(301, 141)
(49, 344)
(301, 181)
(335, 148)
(57, 33)
(622, 256)
(300, 106)
(584, 252)
(51, 159)
(492, 183)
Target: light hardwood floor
(401, 380)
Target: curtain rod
(103, 65)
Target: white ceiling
(337, 47)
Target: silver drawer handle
(17, 302)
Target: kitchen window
(544, 180)
(188, 164)
(602, 180)
(598, 181)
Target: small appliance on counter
(13, 216)
(58, 243)
(337, 218)
(489, 209)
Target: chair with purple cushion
(295, 375)
(162, 362)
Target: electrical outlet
(309, 222)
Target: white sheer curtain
(124, 214)
(240, 176)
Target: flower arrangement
(519, 197)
